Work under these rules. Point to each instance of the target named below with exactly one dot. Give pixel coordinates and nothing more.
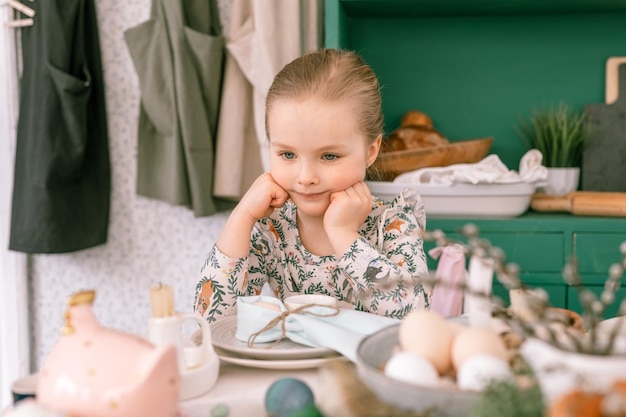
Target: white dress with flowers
(381, 273)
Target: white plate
(223, 336)
(275, 364)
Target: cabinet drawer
(557, 293)
(533, 252)
(536, 252)
(596, 252)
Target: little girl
(310, 225)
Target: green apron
(178, 55)
(61, 187)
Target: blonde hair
(331, 74)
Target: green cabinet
(541, 244)
(476, 68)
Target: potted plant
(560, 134)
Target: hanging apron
(178, 56)
(61, 187)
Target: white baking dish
(464, 200)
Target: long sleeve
(385, 268)
(388, 283)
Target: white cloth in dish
(490, 170)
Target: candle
(162, 300)
(479, 280)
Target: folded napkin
(339, 329)
(490, 170)
(447, 298)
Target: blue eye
(289, 155)
(329, 157)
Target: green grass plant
(559, 133)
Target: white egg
(478, 371)
(412, 368)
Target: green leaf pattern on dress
(381, 273)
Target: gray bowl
(372, 353)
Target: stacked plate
(282, 355)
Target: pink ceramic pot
(96, 372)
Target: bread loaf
(416, 118)
(416, 131)
(413, 137)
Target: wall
(149, 241)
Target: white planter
(561, 181)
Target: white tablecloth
(243, 390)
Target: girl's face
(317, 148)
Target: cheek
(280, 174)
(346, 178)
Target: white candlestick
(479, 279)
(162, 300)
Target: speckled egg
(288, 396)
(480, 370)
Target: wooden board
(604, 159)
(612, 78)
(584, 203)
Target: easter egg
(411, 368)
(220, 410)
(288, 396)
(479, 371)
(427, 334)
(474, 341)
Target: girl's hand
(348, 209)
(263, 196)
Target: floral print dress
(381, 273)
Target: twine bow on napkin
(338, 329)
(283, 316)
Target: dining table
(241, 389)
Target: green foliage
(506, 398)
(559, 133)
